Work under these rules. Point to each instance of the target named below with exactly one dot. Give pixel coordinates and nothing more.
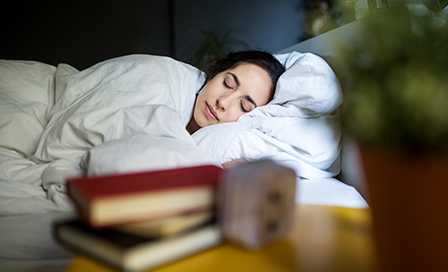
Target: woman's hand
(230, 164)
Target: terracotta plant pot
(408, 194)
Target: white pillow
(308, 84)
(26, 97)
(299, 128)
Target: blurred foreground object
(256, 202)
(396, 78)
(147, 219)
(396, 97)
(435, 5)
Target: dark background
(82, 33)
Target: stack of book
(143, 220)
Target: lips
(210, 112)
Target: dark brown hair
(262, 59)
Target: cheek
(232, 115)
(197, 109)
(208, 89)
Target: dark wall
(255, 24)
(83, 33)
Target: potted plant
(212, 46)
(395, 79)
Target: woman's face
(232, 93)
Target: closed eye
(226, 85)
(251, 100)
(231, 81)
(242, 107)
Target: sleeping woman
(236, 85)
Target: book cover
(129, 251)
(124, 198)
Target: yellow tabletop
(325, 238)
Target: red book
(125, 198)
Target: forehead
(254, 81)
(247, 67)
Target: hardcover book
(129, 251)
(125, 198)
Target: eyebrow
(235, 78)
(238, 84)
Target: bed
(58, 122)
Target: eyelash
(226, 85)
(242, 108)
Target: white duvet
(129, 114)
(65, 118)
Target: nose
(224, 101)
